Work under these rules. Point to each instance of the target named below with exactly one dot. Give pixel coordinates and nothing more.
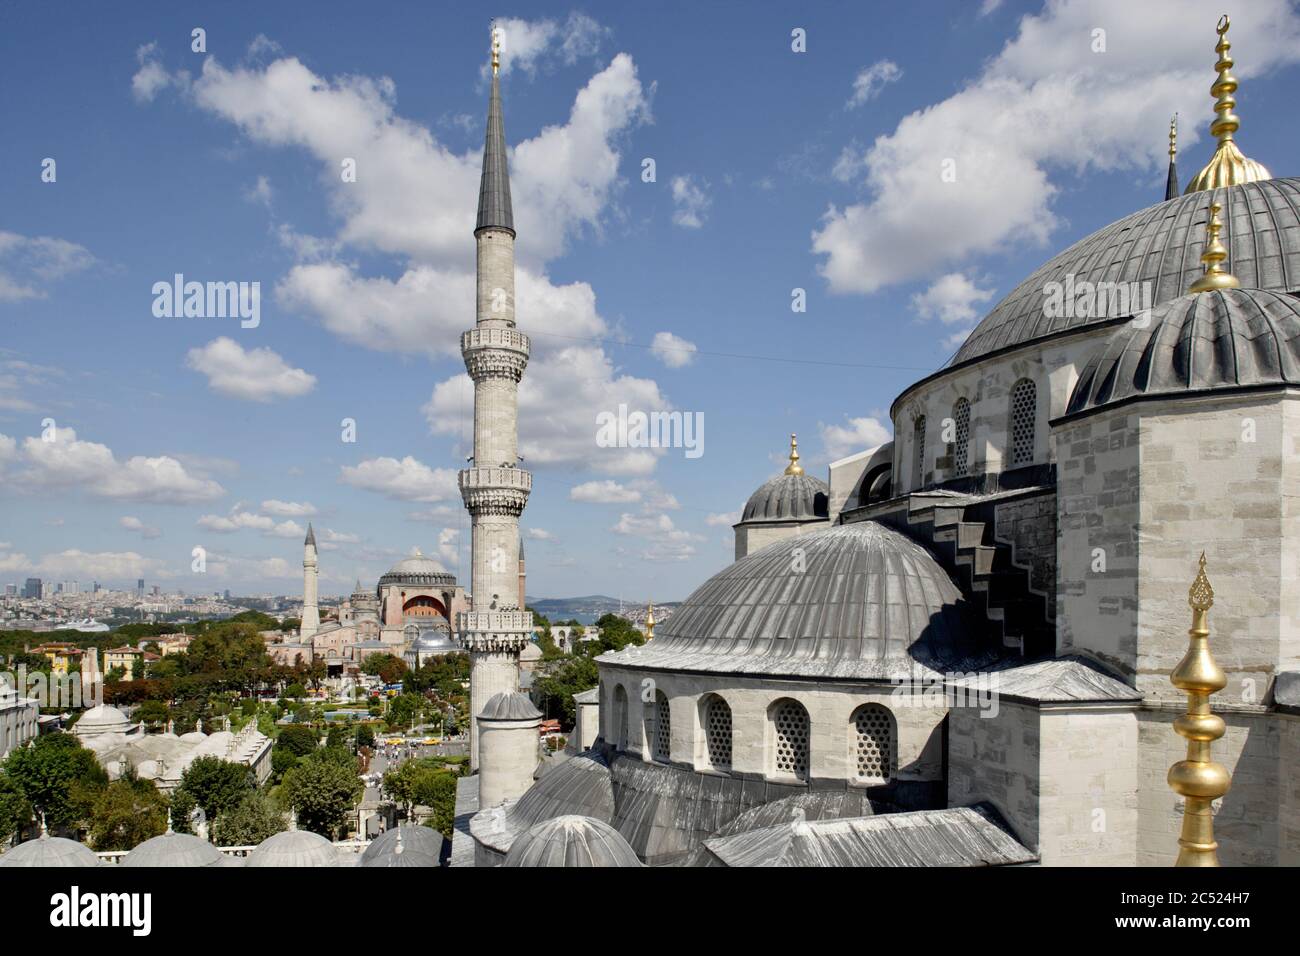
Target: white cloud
(27, 263)
(102, 565)
(691, 201)
(952, 299)
(663, 541)
(152, 77)
(240, 519)
(604, 493)
(725, 518)
(260, 192)
(132, 523)
(255, 375)
(871, 80)
(988, 6)
(1045, 103)
(289, 509)
(672, 350)
(402, 480)
(857, 434)
(69, 462)
(539, 534)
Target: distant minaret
(1171, 184)
(523, 599)
(310, 613)
(495, 489)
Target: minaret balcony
(508, 630)
(502, 491)
(495, 351)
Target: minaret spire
(495, 489)
(1228, 166)
(1171, 183)
(1215, 277)
(794, 468)
(310, 612)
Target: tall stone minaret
(495, 489)
(310, 613)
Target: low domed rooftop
(405, 846)
(173, 849)
(857, 600)
(1223, 340)
(418, 570)
(294, 848)
(102, 720)
(790, 496)
(50, 851)
(571, 841)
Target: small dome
(50, 851)
(173, 850)
(505, 706)
(571, 841)
(406, 846)
(1229, 339)
(294, 848)
(102, 720)
(798, 497)
(418, 570)
(531, 652)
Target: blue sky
(775, 170)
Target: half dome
(1226, 340)
(1160, 245)
(857, 600)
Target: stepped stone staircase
(958, 530)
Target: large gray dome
(296, 848)
(174, 849)
(418, 570)
(857, 600)
(405, 846)
(50, 851)
(571, 840)
(1160, 245)
(799, 497)
(1232, 339)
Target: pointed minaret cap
(1228, 166)
(494, 210)
(794, 468)
(1171, 183)
(311, 536)
(1215, 277)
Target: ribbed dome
(404, 846)
(418, 570)
(856, 600)
(294, 848)
(1160, 245)
(101, 720)
(571, 841)
(1230, 339)
(50, 851)
(788, 498)
(505, 706)
(173, 849)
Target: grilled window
(961, 436)
(717, 732)
(918, 452)
(875, 743)
(790, 725)
(1024, 401)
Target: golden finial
(1215, 277)
(1228, 166)
(650, 622)
(794, 468)
(1173, 137)
(496, 48)
(1198, 779)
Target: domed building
(792, 503)
(958, 650)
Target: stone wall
(1029, 526)
(752, 537)
(997, 759)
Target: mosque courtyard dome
(173, 850)
(103, 719)
(296, 848)
(50, 851)
(1228, 339)
(792, 495)
(1159, 245)
(571, 840)
(856, 601)
(418, 570)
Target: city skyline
(227, 165)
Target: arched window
(717, 733)
(874, 735)
(621, 722)
(790, 739)
(918, 452)
(661, 729)
(1024, 402)
(961, 436)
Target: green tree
(299, 740)
(554, 692)
(403, 710)
(254, 819)
(126, 813)
(322, 792)
(365, 735)
(616, 633)
(216, 785)
(183, 806)
(57, 777)
(15, 811)
(389, 668)
(152, 712)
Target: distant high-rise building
(70, 587)
(155, 590)
(11, 590)
(96, 587)
(139, 587)
(227, 595)
(32, 589)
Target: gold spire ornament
(650, 622)
(496, 48)
(1173, 138)
(1215, 277)
(794, 468)
(1198, 779)
(1228, 166)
